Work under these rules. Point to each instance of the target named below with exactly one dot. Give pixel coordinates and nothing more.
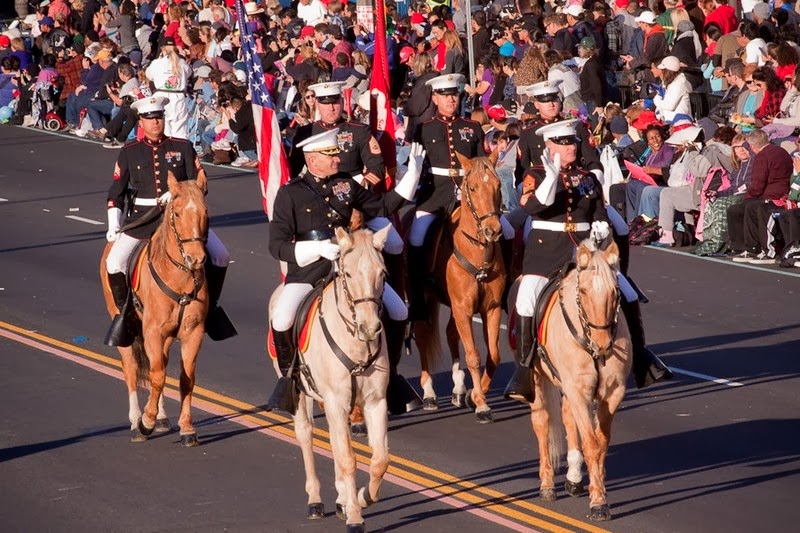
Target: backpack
(683, 234)
(643, 232)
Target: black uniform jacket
(442, 137)
(359, 149)
(579, 198)
(307, 204)
(142, 168)
(531, 147)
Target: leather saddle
(306, 312)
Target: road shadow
(15, 452)
(245, 218)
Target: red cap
(622, 3)
(406, 53)
(307, 31)
(647, 118)
(5, 41)
(417, 18)
(496, 112)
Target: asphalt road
(713, 450)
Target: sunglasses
(564, 141)
(309, 97)
(748, 82)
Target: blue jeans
(507, 190)
(75, 103)
(98, 110)
(648, 204)
(633, 197)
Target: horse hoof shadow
(429, 404)
(358, 430)
(573, 489)
(340, 512)
(162, 426)
(356, 528)
(484, 417)
(547, 495)
(189, 440)
(600, 513)
(459, 399)
(316, 511)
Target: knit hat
(618, 125)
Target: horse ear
(202, 180)
(343, 239)
(611, 255)
(466, 162)
(584, 256)
(172, 182)
(493, 158)
(379, 238)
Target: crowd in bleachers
(693, 108)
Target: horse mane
(363, 238)
(483, 166)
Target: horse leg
(606, 409)
(540, 420)
(304, 433)
(357, 426)
(574, 482)
(153, 345)
(463, 319)
(459, 388)
(376, 415)
(162, 422)
(129, 372)
(190, 346)
(491, 332)
(427, 344)
(344, 461)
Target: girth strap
(182, 299)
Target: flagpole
(470, 49)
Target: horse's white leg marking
(427, 389)
(458, 378)
(134, 412)
(162, 413)
(575, 461)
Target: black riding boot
(647, 367)
(120, 333)
(218, 326)
(624, 247)
(284, 397)
(507, 249)
(520, 387)
(395, 272)
(401, 397)
(417, 274)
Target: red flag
(273, 168)
(381, 120)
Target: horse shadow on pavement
(16, 452)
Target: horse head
(187, 214)
(598, 295)
(362, 273)
(480, 192)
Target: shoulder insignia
(374, 147)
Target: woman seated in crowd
(743, 116)
(788, 119)
(656, 164)
(766, 80)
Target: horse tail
(557, 435)
(142, 362)
(428, 338)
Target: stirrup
(119, 333)
(520, 387)
(650, 370)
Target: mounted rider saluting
(140, 178)
(307, 211)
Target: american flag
(273, 168)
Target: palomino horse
(346, 365)
(470, 268)
(172, 303)
(587, 355)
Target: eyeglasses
(748, 82)
(563, 141)
(738, 146)
(309, 97)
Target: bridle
(479, 239)
(585, 340)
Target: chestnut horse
(175, 257)
(346, 365)
(470, 268)
(587, 357)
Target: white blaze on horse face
(486, 178)
(191, 206)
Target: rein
(480, 274)
(585, 340)
(182, 299)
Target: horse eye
(472, 189)
(347, 275)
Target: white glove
(306, 252)
(599, 232)
(114, 214)
(407, 186)
(546, 191)
(164, 198)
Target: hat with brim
(326, 143)
(574, 10)
(447, 84)
(328, 92)
(151, 107)
(497, 112)
(545, 91)
(684, 136)
(558, 131)
(645, 120)
(648, 17)
(670, 63)
(252, 8)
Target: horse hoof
(356, 528)
(459, 399)
(340, 511)
(136, 436)
(358, 430)
(364, 498)
(600, 513)
(547, 495)
(190, 440)
(162, 426)
(429, 404)
(573, 489)
(484, 417)
(316, 511)
(144, 430)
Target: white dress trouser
(530, 288)
(121, 250)
(292, 296)
(394, 243)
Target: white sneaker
(762, 259)
(79, 133)
(239, 161)
(743, 257)
(28, 121)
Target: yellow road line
(442, 482)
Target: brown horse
(175, 257)
(469, 267)
(346, 365)
(587, 356)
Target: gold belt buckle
(453, 173)
(570, 227)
